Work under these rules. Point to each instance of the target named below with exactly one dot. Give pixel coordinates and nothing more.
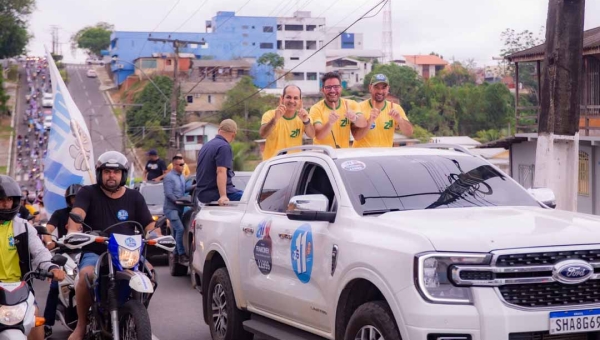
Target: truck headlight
(433, 276)
(12, 315)
(128, 258)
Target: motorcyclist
(58, 221)
(19, 242)
(102, 205)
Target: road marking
(96, 121)
(93, 111)
(101, 137)
(154, 337)
(87, 94)
(89, 102)
(79, 75)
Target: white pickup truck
(401, 243)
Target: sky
(457, 30)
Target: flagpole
(75, 128)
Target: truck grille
(551, 294)
(546, 336)
(546, 258)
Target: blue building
(228, 37)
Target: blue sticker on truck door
(302, 252)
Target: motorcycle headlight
(12, 315)
(433, 276)
(129, 258)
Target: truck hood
(492, 228)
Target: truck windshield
(394, 183)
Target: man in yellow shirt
(383, 117)
(334, 116)
(284, 127)
(186, 168)
(20, 241)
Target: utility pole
(387, 42)
(176, 89)
(55, 43)
(557, 154)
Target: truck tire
(225, 319)
(372, 320)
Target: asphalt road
(175, 309)
(104, 129)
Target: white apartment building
(298, 37)
(352, 70)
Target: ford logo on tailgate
(572, 271)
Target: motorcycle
(124, 283)
(17, 312)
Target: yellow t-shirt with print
(319, 114)
(9, 258)
(286, 133)
(381, 131)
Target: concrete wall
(200, 102)
(523, 158)
(584, 202)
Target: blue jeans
(235, 196)
(51, 304)
(177, 227)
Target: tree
(3, 97)
(13, 26)
(271, 59)
(456, 74)
(93, 39)
(240, 155)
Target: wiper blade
(378, 211)
(363, 199)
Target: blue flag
(70, 152)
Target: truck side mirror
(544, 195)
(310, 208)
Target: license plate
(575, 321)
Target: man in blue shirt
(215, 167)
(174, 185)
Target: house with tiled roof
(426, 65)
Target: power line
(302, 62)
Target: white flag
(70, 153)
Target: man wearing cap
(333, 116)
(285, 126)
(155, 168)
(383, 117)
(215, 167)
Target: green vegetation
(93, 39)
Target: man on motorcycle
(102, 205)
(20, 247)
(58, 221)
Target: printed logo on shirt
(344, 122)
(295, 133)
(152, 166)
(11, 242)
(388, 125)
(122, 215)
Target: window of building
(311, 44)
(365, 66)
(266, 45)
(209, 99)
(253, 27)
(245, 35)
(275, 192)
(294, 58)
(279, 27)
(584, 174)
(244, 27)
(148, 63)
(294, 27)
(279, 45)
(311, 75)
(190, 139)
(311, 27)
(268, 29)
(294, 44)
(169, 62)
(190, 99)
(200, 139)
(297, 75)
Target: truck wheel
(225, 319)
(372, 321)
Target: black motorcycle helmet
(112, 160)
(9, 188)
(70, 192)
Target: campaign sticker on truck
(302, 252)
(353, 165)
(263, 248)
